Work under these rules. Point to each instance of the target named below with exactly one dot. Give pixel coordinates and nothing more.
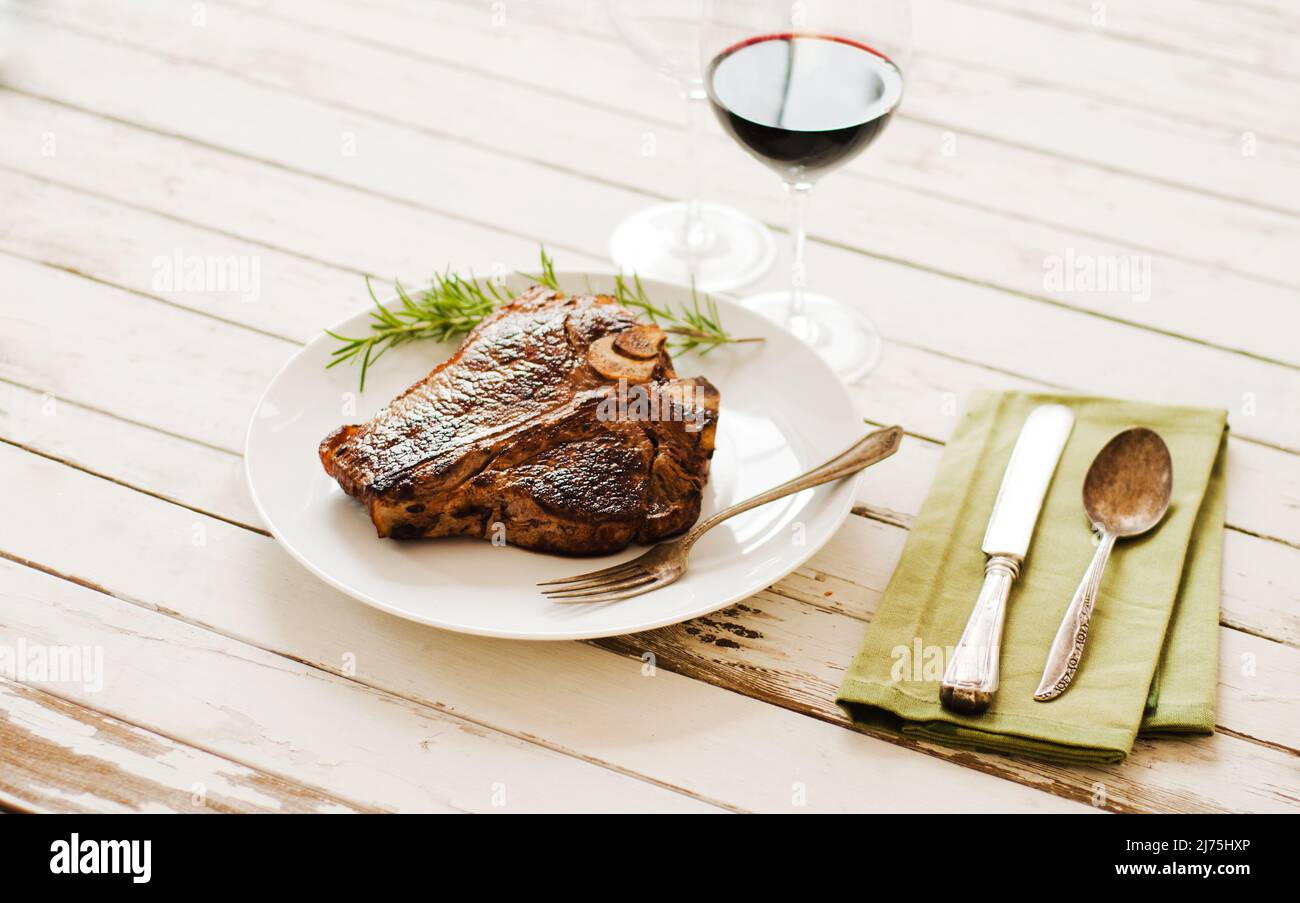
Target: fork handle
(862, 454)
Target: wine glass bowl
(712, 246)
(665, 34)
(835, 98)
(804, 87)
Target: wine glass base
(735, 249)
(844, 338)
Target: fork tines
(608, 585)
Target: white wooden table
(322, 139)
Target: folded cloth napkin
(1151, 663)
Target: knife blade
(971, 678)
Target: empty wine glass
(715, 245)
(804, 87)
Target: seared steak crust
(512, 438)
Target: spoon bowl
(1129, 484)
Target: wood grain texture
(179, 315)
(968, 96)
(1123, 360)
(234, 562)
(286, 717)
(925, 157)
(230, 393)
(56, 756)
(123, 402)
(1186, 287)
(567, 696)
(842, 571)
(1084, 63)
(916, 387)
(936, 315)
(1248, 35)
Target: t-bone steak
(559, 425)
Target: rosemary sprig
(453, 305)
(450, 306)
(695, 326)
(547, 276)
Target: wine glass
(716, 246)
(804, 87)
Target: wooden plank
(1257, 696)
(989, 174)
(850, 574)
(141, 302)
(128, 242)
(221, 586)
(1083, 63)
(296, 213)
(677, 732)
(201, 359)
(949, 94)
(140, 457)
(85, 369)
(1256, 38)
(1186, 294)
(914, 387)
(853, 553)
(1255, 600)
(938, 312)
(1202, 158)
(1072, 59)
(1283, 604)
(1284, 9)
(1257, 597)
(278, 715)
(57, 756)
(752, 646)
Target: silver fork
(666, 562)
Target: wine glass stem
(695, 231)
(798, 192)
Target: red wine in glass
(804, 87)
(803, 103)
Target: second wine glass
(714, 246)
(804, 87)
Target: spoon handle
(1067, 648)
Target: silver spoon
(1125, 493)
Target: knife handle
(971, 678)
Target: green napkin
(1152, 655)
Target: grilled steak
(559, 425)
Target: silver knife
(971, 678)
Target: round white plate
(783, 412)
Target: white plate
(783, 412)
